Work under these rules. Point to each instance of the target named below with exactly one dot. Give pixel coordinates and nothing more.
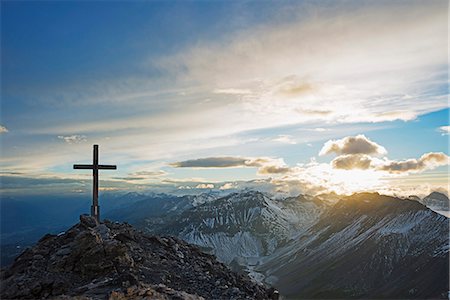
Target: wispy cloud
(3, 129)
(327, 66)
(143, 175)
(232, 91)
(265, 165)
(73, 139)
(380, 75)
(212, 162)
(284, 138)
(444, 130)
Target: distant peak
(437, 195)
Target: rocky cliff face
(115, 261)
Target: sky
(285, 96)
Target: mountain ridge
(382, 244)
(109, 259)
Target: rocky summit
(114, 261)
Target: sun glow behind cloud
(309, 72)
(356, 168)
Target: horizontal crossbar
(83, 167)
(100, 167)
(107, 167)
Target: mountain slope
(153, 206)
(243, 227)
(366, 246)
(98, 261)
(437, 201)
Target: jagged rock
(114, 261)
(88, 221)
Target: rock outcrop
(115, 261)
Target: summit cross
(95, 208)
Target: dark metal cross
(95, 208)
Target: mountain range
(327, 246)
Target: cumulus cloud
(273, 169)
(204, 186)
(73, 139)
(228, 186)
(427, 161)
(359, 153)
(444, 130)
(352, 161)
(359, 144)
(3, 129)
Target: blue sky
(268, 83)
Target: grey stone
(88, 221)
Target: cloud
(444, 130)
(307, 70)
(73, 139)
(314, 112)
(211, 162)
(228, 186)
(285, 139)
(359, 144)
(296, 87)
(3, 129)
(287, 74)
(320, 129)
(288, 68)
(265, 165)
(359, 153)
(232, 91)
(204, 186)
(143, 175)
(427, 161)
(352, 161)
(157, 173)
(273, 169)
(49, 184)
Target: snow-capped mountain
(243, 227)
(202, 198)
(366, 246)
(437, 201)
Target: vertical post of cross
(95, 209)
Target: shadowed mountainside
(366, 246)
